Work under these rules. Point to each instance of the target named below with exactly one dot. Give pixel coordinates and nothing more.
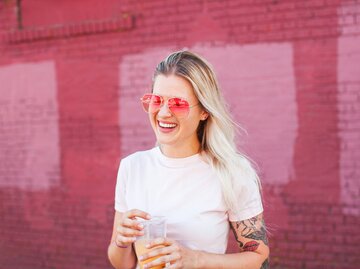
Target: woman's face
(177, 136)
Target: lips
(250, 246)
(166, 127)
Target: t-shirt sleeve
(120, 190)
(248, 200)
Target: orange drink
(154, 228)
(140, 249)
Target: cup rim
(153, 219)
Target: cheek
(191, 124)
(152, 120)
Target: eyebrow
(171, 96)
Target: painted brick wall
(71, 74)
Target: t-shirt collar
(176, 162)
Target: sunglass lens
(145, 101)
(179, 107)
(151, 103)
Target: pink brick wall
(69, 87)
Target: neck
(180, 151)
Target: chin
(165, 141)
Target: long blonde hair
(217, 133)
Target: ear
(204, 115)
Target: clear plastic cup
(153, 228)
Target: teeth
(167, 125)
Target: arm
(120, 251)
(253, 250)
(120, 257)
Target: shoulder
(137, 161)
(245, 174)
(247, 191)
(138, 157)
(245, 165)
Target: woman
(195, 177)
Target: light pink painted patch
(29, 156)
(349, 121)
(258, 83)
(136, 72)
(348, 17)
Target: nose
(164, 110)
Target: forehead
(173, 85)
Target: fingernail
(147, 246)
(148, 216)
(141, 226)
(141, 258)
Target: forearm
(243, 260)
(123, 258)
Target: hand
(128, 227)
(172, 254)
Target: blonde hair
(217, 133)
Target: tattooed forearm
(258, 235)
(254, 229)
(265, 264)
(241, 244)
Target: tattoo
(250, 246)
(265, 264)
(241, 244)
(253, 228)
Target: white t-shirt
(187, 192)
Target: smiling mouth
(167, 125)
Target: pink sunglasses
(179, 107)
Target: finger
(160, 241)
(137, 213)
(163, 260)
(124, 240)
(127, 232)
(130, 223)
(171, 266)
(159, 252)
(177, 264)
